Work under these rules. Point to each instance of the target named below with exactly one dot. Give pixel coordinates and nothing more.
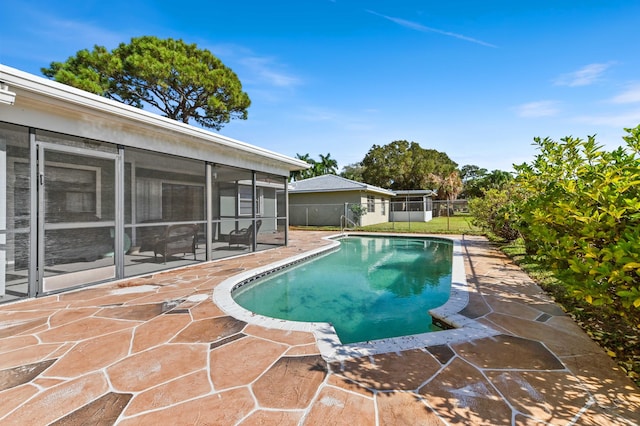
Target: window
(182, 202)
(383, 207)
(163, 188)
(168, 201)
(73, 192)
(245, 200)
(371, 203)
(80, 202)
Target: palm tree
(449, 186)
(307, 173)
(497, 179)
(327, 165)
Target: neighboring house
(93, 190)
(412, 206)
(323, 200)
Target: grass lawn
(459, 224)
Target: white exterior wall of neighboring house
(412, 206)
(375, 212)
(325, 198)
(320, 208)
(422, 216)
(326, 208)
(321, 200)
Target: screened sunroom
(92, 190)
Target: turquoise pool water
(370, 288)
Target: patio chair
(176, 239)
(244, 235)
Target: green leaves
(495, 211)
(326, 166)
(182, 81)
(580, 210)
(404, 165)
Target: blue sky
(474, 79)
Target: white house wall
(325, 208)
(377, 216)
(420, 216)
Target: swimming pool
(369, 288)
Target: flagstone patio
(158, 350)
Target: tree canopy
(478, 181)
(448, 186)
(180, 80)
(353, 171)
(326, 166)
(404, 165)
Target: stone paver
(298, 379)
(404, 371)
(158, 350)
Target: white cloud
(630, 95)
(256, 69)
(317, 114)
(344, 121)
(538, 109)
(265, 70)
(419, 27)
(62, 36)
(69, 32)
(619, 121)
(585, 76)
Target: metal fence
(346, 215)
(318, 214)
(450, 208)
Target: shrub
(580, 209)
(495, 212)
(357, 211)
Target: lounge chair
(244, 235)
(177, 239)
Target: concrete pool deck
(158, 350)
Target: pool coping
(329, 344)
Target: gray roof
(333, 183)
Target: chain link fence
(349, 215)
(450, 208)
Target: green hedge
(579, 206)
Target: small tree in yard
(495, 211)
(357, 210)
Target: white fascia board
(381, 191)
(427, 192)
(7, 97)
(43, 87)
